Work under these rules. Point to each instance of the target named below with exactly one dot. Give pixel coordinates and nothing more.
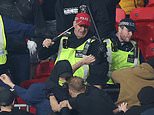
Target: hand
(86, 60)
(65, 103)
(6, 79)
(31, 45)
(47, 42)
(123, 107)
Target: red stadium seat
(43, 71)
(27, 83)
(150, 4)
(120, 14)
(21, 102)
(144, 19)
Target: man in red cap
(80, 48)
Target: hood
(62, 69)
(146, 95)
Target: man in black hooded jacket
(36, 94)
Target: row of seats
(144, 19)
(42, 72)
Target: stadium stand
(144, 19)
(42, 72)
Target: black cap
(128, 23)
(6, 97)
(64, 69)
(61, 69)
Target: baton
(57, 37)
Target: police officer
(79, 43)
(122, 52)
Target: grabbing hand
(86, 60)
(6, 79)
(47, 42)
(123, 107)
(65, 103)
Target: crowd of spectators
(89, 54)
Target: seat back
(120, 14)
(150, 3)
(21, 104)
(44, 69)
(144, 20)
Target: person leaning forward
(132, 80)
(87, 100)
(78, 44)
(36, 94)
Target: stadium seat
(120, 14)
(22, 105)
(150, 4)
(144, 20)
(43, 71)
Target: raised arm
(86, 60)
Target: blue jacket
(35, 95)
(16, 33)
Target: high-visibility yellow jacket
(74, 55)
(3, 52)
(119, 59)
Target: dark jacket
(16, 33)
(92, 102)
(36, 94)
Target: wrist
(81, 63)
(50, 95)
(11, 85)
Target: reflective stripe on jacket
(119, 59)
(3, 51)
(74, 55)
